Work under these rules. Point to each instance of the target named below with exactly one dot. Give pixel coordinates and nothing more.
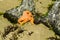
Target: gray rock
(53, 18)
(15, 13)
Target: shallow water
(41, 32)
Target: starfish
(27, 16)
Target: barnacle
(27, 16)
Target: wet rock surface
(11, 32)
(15, 13)
(53, 17)
(14, 32)
(52, 20)
(25, 33)
(29, 32)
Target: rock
(15, 13)
(53, 18)
(11, 32)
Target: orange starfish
(27, 16)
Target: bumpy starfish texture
(27, 16)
